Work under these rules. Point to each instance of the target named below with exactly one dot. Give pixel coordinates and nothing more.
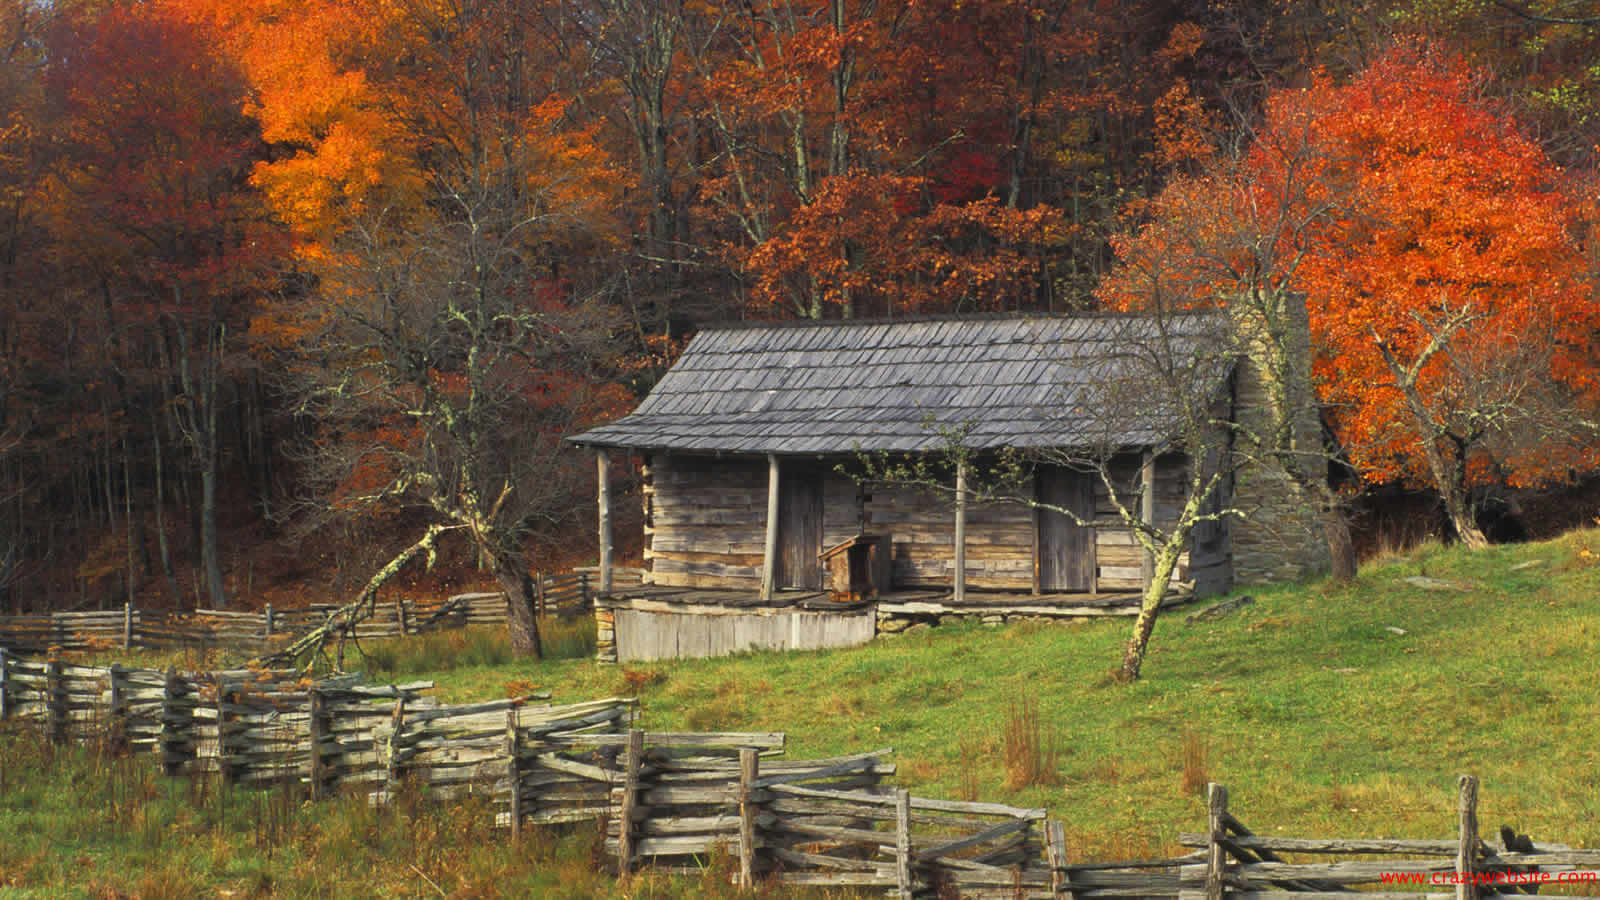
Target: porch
(917, 601)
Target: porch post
(961, 530)
(770, 555)
(603, 479)
(1147, 513)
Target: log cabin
(755, 505)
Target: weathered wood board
(645, 635)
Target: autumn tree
(1429, 238)
(455, 334)
(860, 171)
(168, 249)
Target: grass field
(1327, 711)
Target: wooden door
(799, 527)
(1065, 560)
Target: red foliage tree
(1434, 244)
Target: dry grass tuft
(1031, 754)
(636, 680)
(1196, 754)
(971, 755)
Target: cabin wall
(921, 523)
(704, 521)
(705, 517)
(705, 526)
(1119, 560)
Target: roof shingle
(835, 387)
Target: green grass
(78, 823)
(1320, 719)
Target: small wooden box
(858, 568)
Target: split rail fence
(677, 800)
(1238, 863)
(132, 627)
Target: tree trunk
(343, 620)
(208, 531)
(1149, 609)
(161, 520)
(1462, 520)
(512, 576)
(1341, 549)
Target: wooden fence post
(225, 698)
(397, 722)
(1055, 849)
(117, 709)
(1467, 849)
(749, 771)
(5, 701)
(538, 594)
(632, 758)
(513, 772)
(267, 612)
(127, 625)
(902, 844)
(1216, 858)
(175, 728)
(314, 739)
(400, 614)
(55, 702)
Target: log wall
(705, 526)
(922, 525)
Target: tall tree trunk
(1459, 509)
(200, 426)
(208, 532)
(132, 534)
(511, 574)
(1449, 472)
(161, 518)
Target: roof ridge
(1089, 314)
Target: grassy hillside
(1321, 717)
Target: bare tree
(442, 381)
(450, 345)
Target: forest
(304, 284)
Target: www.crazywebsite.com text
(1437, 878)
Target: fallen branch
(342, 622)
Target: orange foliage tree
(1434, 246)
(866, 164)
(443, 192)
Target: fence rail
(671, 799)
(132, 627)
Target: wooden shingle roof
(837, 387)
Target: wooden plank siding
(646, 635)
(705, 526)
